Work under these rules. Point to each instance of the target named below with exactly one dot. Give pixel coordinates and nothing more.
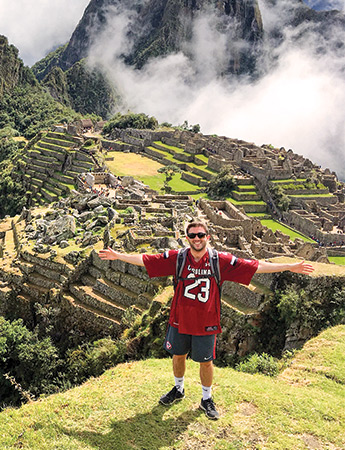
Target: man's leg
(206, 373)
(206, 378)
(177, 392)
(179, 365)
(178, 345)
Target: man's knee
(206, 364)
(180, 357)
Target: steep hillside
(159, 28)
(12, 70)
(151, 29)
(301, 409)
(25, 106)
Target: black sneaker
(209, 407)
(171, 397)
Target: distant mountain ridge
(157, 28)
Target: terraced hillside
(194, 167)
(197, 172)
(52, 164)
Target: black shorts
(201, 348)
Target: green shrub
(130, 120)
(263, 363)
(30, 362)
(93, 359)
(221, 184)
(281, 199)
(12, 192)
(289, 304)
(314, 308)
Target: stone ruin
(94, 294)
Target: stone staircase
(247, 197)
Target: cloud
(35, 27)
(298, 102)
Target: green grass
(256, 214)
(171, 158)
(157, 182)
(301, 409)
(311, 195)
(58, 140)
(204, 168)
(241, 203)
(170, 147)
(201, 195)
(340, 260)
(179, 185)
(203, 158)
(145, 169)
(244, 187)
(246, 193)
(274, 226)
(289, 181)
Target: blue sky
(325, 4)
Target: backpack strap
(180, 263)
(214, 263)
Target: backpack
(214, 266)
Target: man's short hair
(197, 224)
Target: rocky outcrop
(12, 70)
(164, 26)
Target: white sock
(206, 392)
(179, 383)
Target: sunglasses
(194, 235)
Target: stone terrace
(262, 164)
(52, 164)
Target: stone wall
(217, 163)
(234, 218)
(324, 201)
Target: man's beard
(198, 249)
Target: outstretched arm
(299, 267)
(109, 253)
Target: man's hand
(301, 267)
(109, 253)
(272, 267)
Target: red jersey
(195, 308)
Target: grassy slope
(145, 170)
(302, 409)
(274, 226)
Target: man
(195, 310)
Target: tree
(130, 120)
(32, 364)
(222, 184)
(169, 172)
(193, 128)
(280, 198)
